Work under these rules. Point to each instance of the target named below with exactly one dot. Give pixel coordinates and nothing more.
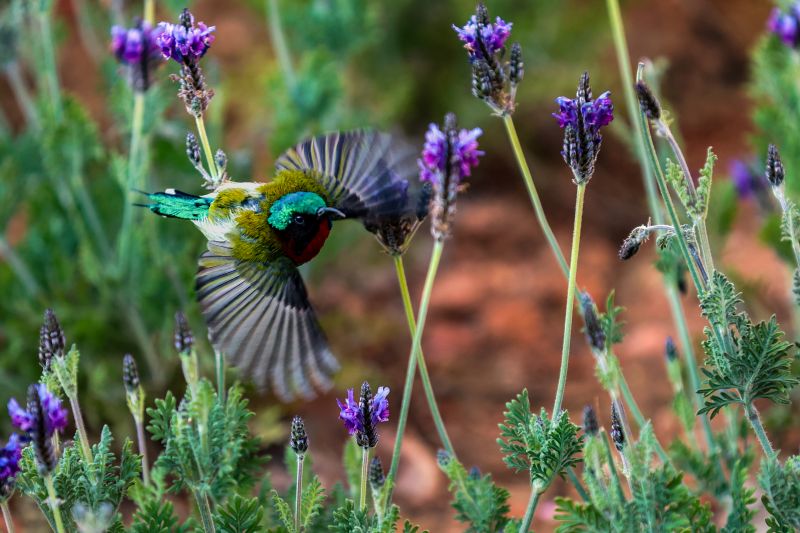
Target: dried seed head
(595, 335)
(184, 340)
(775, 172)
(670, 350)
(632, 243)
(40, 433)
(647, 101)
(590, 425)
(617, 430)
(376, 476)
(52, 341)
(298, 440)
(130, 374)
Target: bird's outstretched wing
(258, 314)
(366, 173)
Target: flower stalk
(364, 478)
(7, 517)
(53, 502)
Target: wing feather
(260, 317)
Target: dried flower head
(670, 350)
(786, 25)
(394, 233)
(590, 425)
(582, 119)
(10, 455)
(136, 48)
(185, 43)
(183, 338)
(361, 418)
(41, 428)
(774, 172)
(494, 80)
(377, 478)
(648, 101)
(448, 157)
(52, 341)
(298, 439)
(56, 414)
(617, 430)
(632, 243)
(595, 335)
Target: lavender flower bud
(184, 340)
(40, 433)
(442, 458)
(617, 431)
(648, 101)
(298, 440)
(584, 93)
(52, 341)
(632, 243)
(775, 172)
(670, 350)
(424, 200)
(193, 149)
(516, 68)
(10, 456)
(137, 50)
(221, 160)
(590, 425)
(474, 473)
(130, 374)
(186, 19)
(595, 335)
(368, 436)
(376, 476)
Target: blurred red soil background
(496, 318)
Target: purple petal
(19, 416)
(380, 406)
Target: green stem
(436, 256)
(525, 525)
(364, 476)
(150, 11)
(298, 493)
(423, 370)
(54, 505)
(21, 93)
(534, 195)
(9, 519)
(205, 511)
(142, 439)
(134, 172)
(758, 428)
(279, 43)
(49, 60)
(633, 407)
(612, 466)
(573, 270)
(201, 131)
(19, 267)
(219, 361)
(81, 427)
(573, 477)
(136, 323)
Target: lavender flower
(52, 341)
(298, 440)
(595, 335)
(448, 157)
(185, 43)
(56, 414)
(361, 418)
(786, 25)
(590, 425)
(745, 179)
(10, 455)
(617, 429)
(137, 49)
(42, 428)
(582, 119)
(670, 350)
(377, 478)
(494, 80)
(183, 338)
(775, 172)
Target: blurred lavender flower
(186, 43)
(746, 179)
(786, 25)
(361, 418)
(582, 119)
(56, 414)
(137, 49)
(46, 418)
(448, 157)
(10, 455)
(494, 80)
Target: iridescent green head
(302, 221)
(295, 204)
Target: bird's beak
(330, 211)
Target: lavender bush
(623, 477)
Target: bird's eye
(298, 219)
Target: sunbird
(250, 292)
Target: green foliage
(476, 499)
(349, 519)
(207, 445)
(740, 515)
(745, 361)
(239, 515)
(706, 470)
(609, 320)
(158, 517)
(781, 498)
(700, 209)
(543, 447)
(790, 223)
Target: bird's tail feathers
(177, 204)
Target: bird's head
(302, 220)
